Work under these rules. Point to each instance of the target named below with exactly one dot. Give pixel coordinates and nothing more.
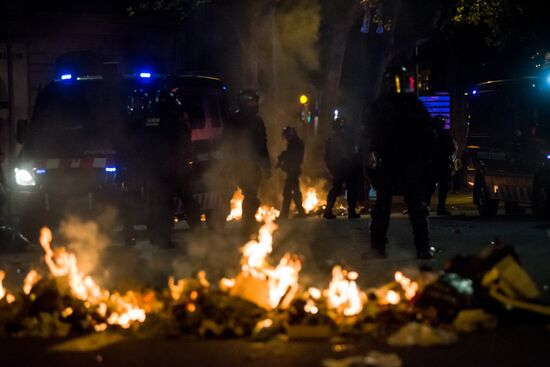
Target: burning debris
(312, 203)
(266, 299)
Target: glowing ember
(310, 307)
(63, 264)
(176, 289)
(226, 284)
(312, 202)
(392, 297)
(30, 280)
(410, 288)
(314, 293)
(343, 293)
(236, 206)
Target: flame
(283, 280)
(310, 307)
(63, 264)
(31, 279)
(236, 206)
(410, 288)
(2, 290)
(176, 289)
(255, 252)
(343, 293)
(226, 284)
(266, 214)
(314, 293)
(392, 297)
(312, 201)
(10, 298)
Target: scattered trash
(373, 358)
(379, 359)
(468, 321)
(422, 335)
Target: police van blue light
(66, 77)
(144, 75)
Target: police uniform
(245, 151)
(402, 141)
(290, 161)
(342, 160)
(444, 150)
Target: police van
(508, 145)
(74, 159)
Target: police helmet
(439, 122)
(339, 124)
(248, 99)
(289, 132)
(399, 80)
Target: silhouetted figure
(342, 160)
(158, 152)
(290, 161)
(245, 150)
(401, 143)
(442, 169)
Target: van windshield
(503, 115)
(74, 118)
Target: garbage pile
(423, 308)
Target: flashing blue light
(40, 171)
(144, 75)
(474, 92)
(110, 169)
(548, 156)
(66, 77)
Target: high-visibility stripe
(88, 162)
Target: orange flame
(2, 290)
(10, 298)
(283, 280)
(31, 279)
(236, 206)
(63, 264)
(312, 201)
(343, 293)
(410, 288)
(266, 214)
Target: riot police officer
(290, 161)
(342, 160)
(444, 153)
(158, 151)
(245, 150)
(400, 146)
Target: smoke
(88, 238)
(291, 58)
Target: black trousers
(339, 179)
(411, 185)
(249, 184)
(442, 177)
(291, 191)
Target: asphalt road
(322, 243)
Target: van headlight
(24, 178)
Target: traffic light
(304, 99)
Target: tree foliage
(500, 19)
